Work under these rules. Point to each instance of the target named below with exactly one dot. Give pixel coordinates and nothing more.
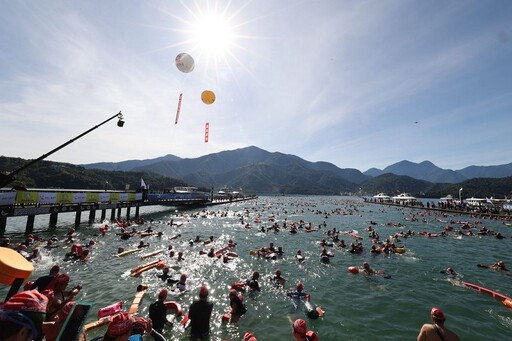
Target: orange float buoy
(353, 269)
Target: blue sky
(359, 84)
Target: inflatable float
(353, 269)
(145, 268)
(101, 322)
(138, 267)
(13, 266)
(151, 254)
(507, 301)
(356, 236)
(141, 290)
(125, 253)
(175, 307)
(110, 310)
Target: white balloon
(185, 62)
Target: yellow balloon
(208, 97)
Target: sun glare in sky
(212, 35)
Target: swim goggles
(21, 320)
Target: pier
(109, 204)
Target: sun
(215, 34)
(212, 35)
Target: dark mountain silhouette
(129, 164)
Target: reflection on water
(394, 307)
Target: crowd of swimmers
(40, 309)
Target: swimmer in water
(277, 280)
(436, 330)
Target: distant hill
(392, 184)
(130, 164)
(426, 170)
(48, 174)
(486, 171)
(257, 171)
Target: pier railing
(34, 202)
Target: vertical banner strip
(179, 109)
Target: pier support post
(30, 224)
(53, 218)
(119, 212)
(103, 215)
(128, 212)
(137, 211)
(3, 224)
(78, 216)
(92, 216)
(113, 215)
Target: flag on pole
(142, 184)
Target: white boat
(447, 199)
(381, 197)
(476, 202)
(404, 199)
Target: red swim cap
(256, 275)
(62, 279)
(27, 301)
(163, 294)
(299, 327)
(203, 291)
(139, 325)
(437, 314)
(501, 264)
(278, 272)
(249, 337)
(300, 287)
(121, 324)
(232, 292)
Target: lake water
(356, 308)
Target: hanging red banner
(178, 111)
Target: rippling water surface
(356, 309)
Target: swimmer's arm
(422, 336)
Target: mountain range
(258, 171)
